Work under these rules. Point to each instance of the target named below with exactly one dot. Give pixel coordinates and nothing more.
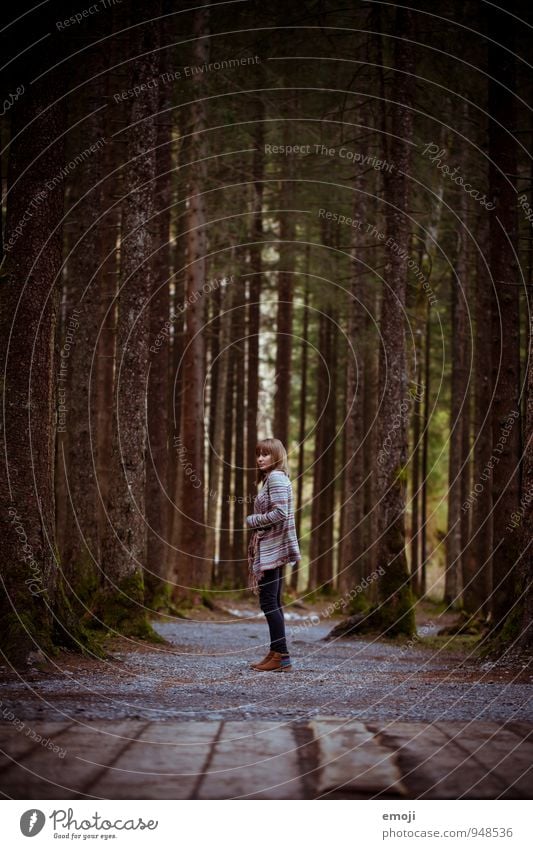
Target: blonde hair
(277, 451)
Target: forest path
(358, 718)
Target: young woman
(273, 544)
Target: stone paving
(357, 718)
(326, 758)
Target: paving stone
(167, 762)
(18, 743)
(45, 775)
(254, 760)
(352, 760)
(440, 761)
(503, 755)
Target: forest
(239, 220)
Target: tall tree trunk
(217, 494)
(321, 552)
(254, 298)
(157, 459)
(505, 313)
(396, 613)
(29, 308)
(216, 382)
(226, 573)
(370, 412)
(422, 582)
(524, 517)
(477, 561)
(285, 298)
(303, 410)
(80, 554)
(124, 544)
(353, 501)
(239, 527)
(415, 481)
(110, 227)
(178, 344)
(458, 418)
(318, 465)
(194, 570)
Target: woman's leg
(270, 602)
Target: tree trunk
(216, 382)
(239, 527)
(422, 582)
(318, 465)
(321, 550)
(80, 553)
(29, 309)
(302, 423)
(114, 153)
(217, 494)
(285, 298)
(477, 562)
(226, 573)
(353, 501)
(121, 605)
(193, 568)
(254, 301)
(505, 314)
(458, 417)
(396, 610)
(157, 459)
(415, 482)
(523, 520)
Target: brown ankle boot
(260, 663)
(277, 663)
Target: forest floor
(377, 695)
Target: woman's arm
(279, 498)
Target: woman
(273, 544)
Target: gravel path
(203, 674)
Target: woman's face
(264, 459)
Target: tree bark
(254, 299)
(157, 459)
(396, 610)
(458, 418)
(121, 605)
(353, 501)
(477, 576)
(193, 567)
(285, 299)
(29, 309)
(302, 423)
(78, 464)
(505, 314)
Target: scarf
(253, 585)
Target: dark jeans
(270, 601)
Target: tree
(121, 604)
(189, 539)
(29, 309)
(458, 411)
(477, 560)
(353, 502)
(285, 299)
(505, 313)
(157, 466)
(79, 460)
(395, 602)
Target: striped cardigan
(273, 542)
